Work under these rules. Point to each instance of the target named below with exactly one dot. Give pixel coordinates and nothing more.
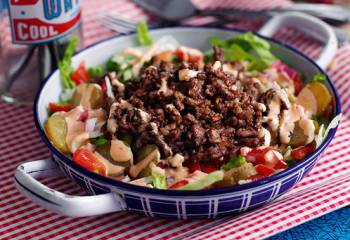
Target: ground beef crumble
(204, 117)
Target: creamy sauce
(164, 87)
(282, 94)
(99, 114)
(136, 169)
(111, 169)
(216, 66)
(309, 129)
(120, 152)
(120, 86)
(187, 74)
(144, 115)
(85, 90)
(144, 58)
(272, 118)
(76, 135)
(76, 129)
(267, 136)
(229, 69)
(111, 123)
(288, 119)
(176, 161)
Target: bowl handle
(67, 205)
(309, 25)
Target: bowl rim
(208, 192)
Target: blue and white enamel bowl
(109, 195)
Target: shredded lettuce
(143, 36)
(246, 47)
(99, 141)
(66, 94)
(65, 64)
(122, 65)
(204, 182)
(318, 78)
(96, 71)
(235, 162)
(287, 154)
(322, 132)
(158, 177)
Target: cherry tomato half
(179, 184)
(301, 152)
(88, 160)
(81, 74)
(57, 107)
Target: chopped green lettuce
(96, 71)
(121, 65)
(235, 162)
(246, 47)
(65, 64)
(204, 182)
(158, 177)
(100, 141)
(323, 132)
(143, 36)
(319, 78)
(287, 154)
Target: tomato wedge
(57, 107)
(81, 74)
(257, 155)
(301, 152)
(193, 166)
(208, 168)
(104, 88)
(179, 184)
(264, 170)
(281, 165)
(88, 160)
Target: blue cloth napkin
(332, 226)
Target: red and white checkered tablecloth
(325, 189)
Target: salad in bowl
(167, 116)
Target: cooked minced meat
(202, 114)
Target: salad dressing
(111, 169)
(76, 134)
(136, 169)
(309, 129)
(120, 152)
(273, 115)
(288, 120)
(85, 90)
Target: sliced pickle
(141, 154)
(56, 130)
(298, 137)
(322, 95)
(308, 100)
(127, 139)
(89, 95)
(232, 176)
(105, 149)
